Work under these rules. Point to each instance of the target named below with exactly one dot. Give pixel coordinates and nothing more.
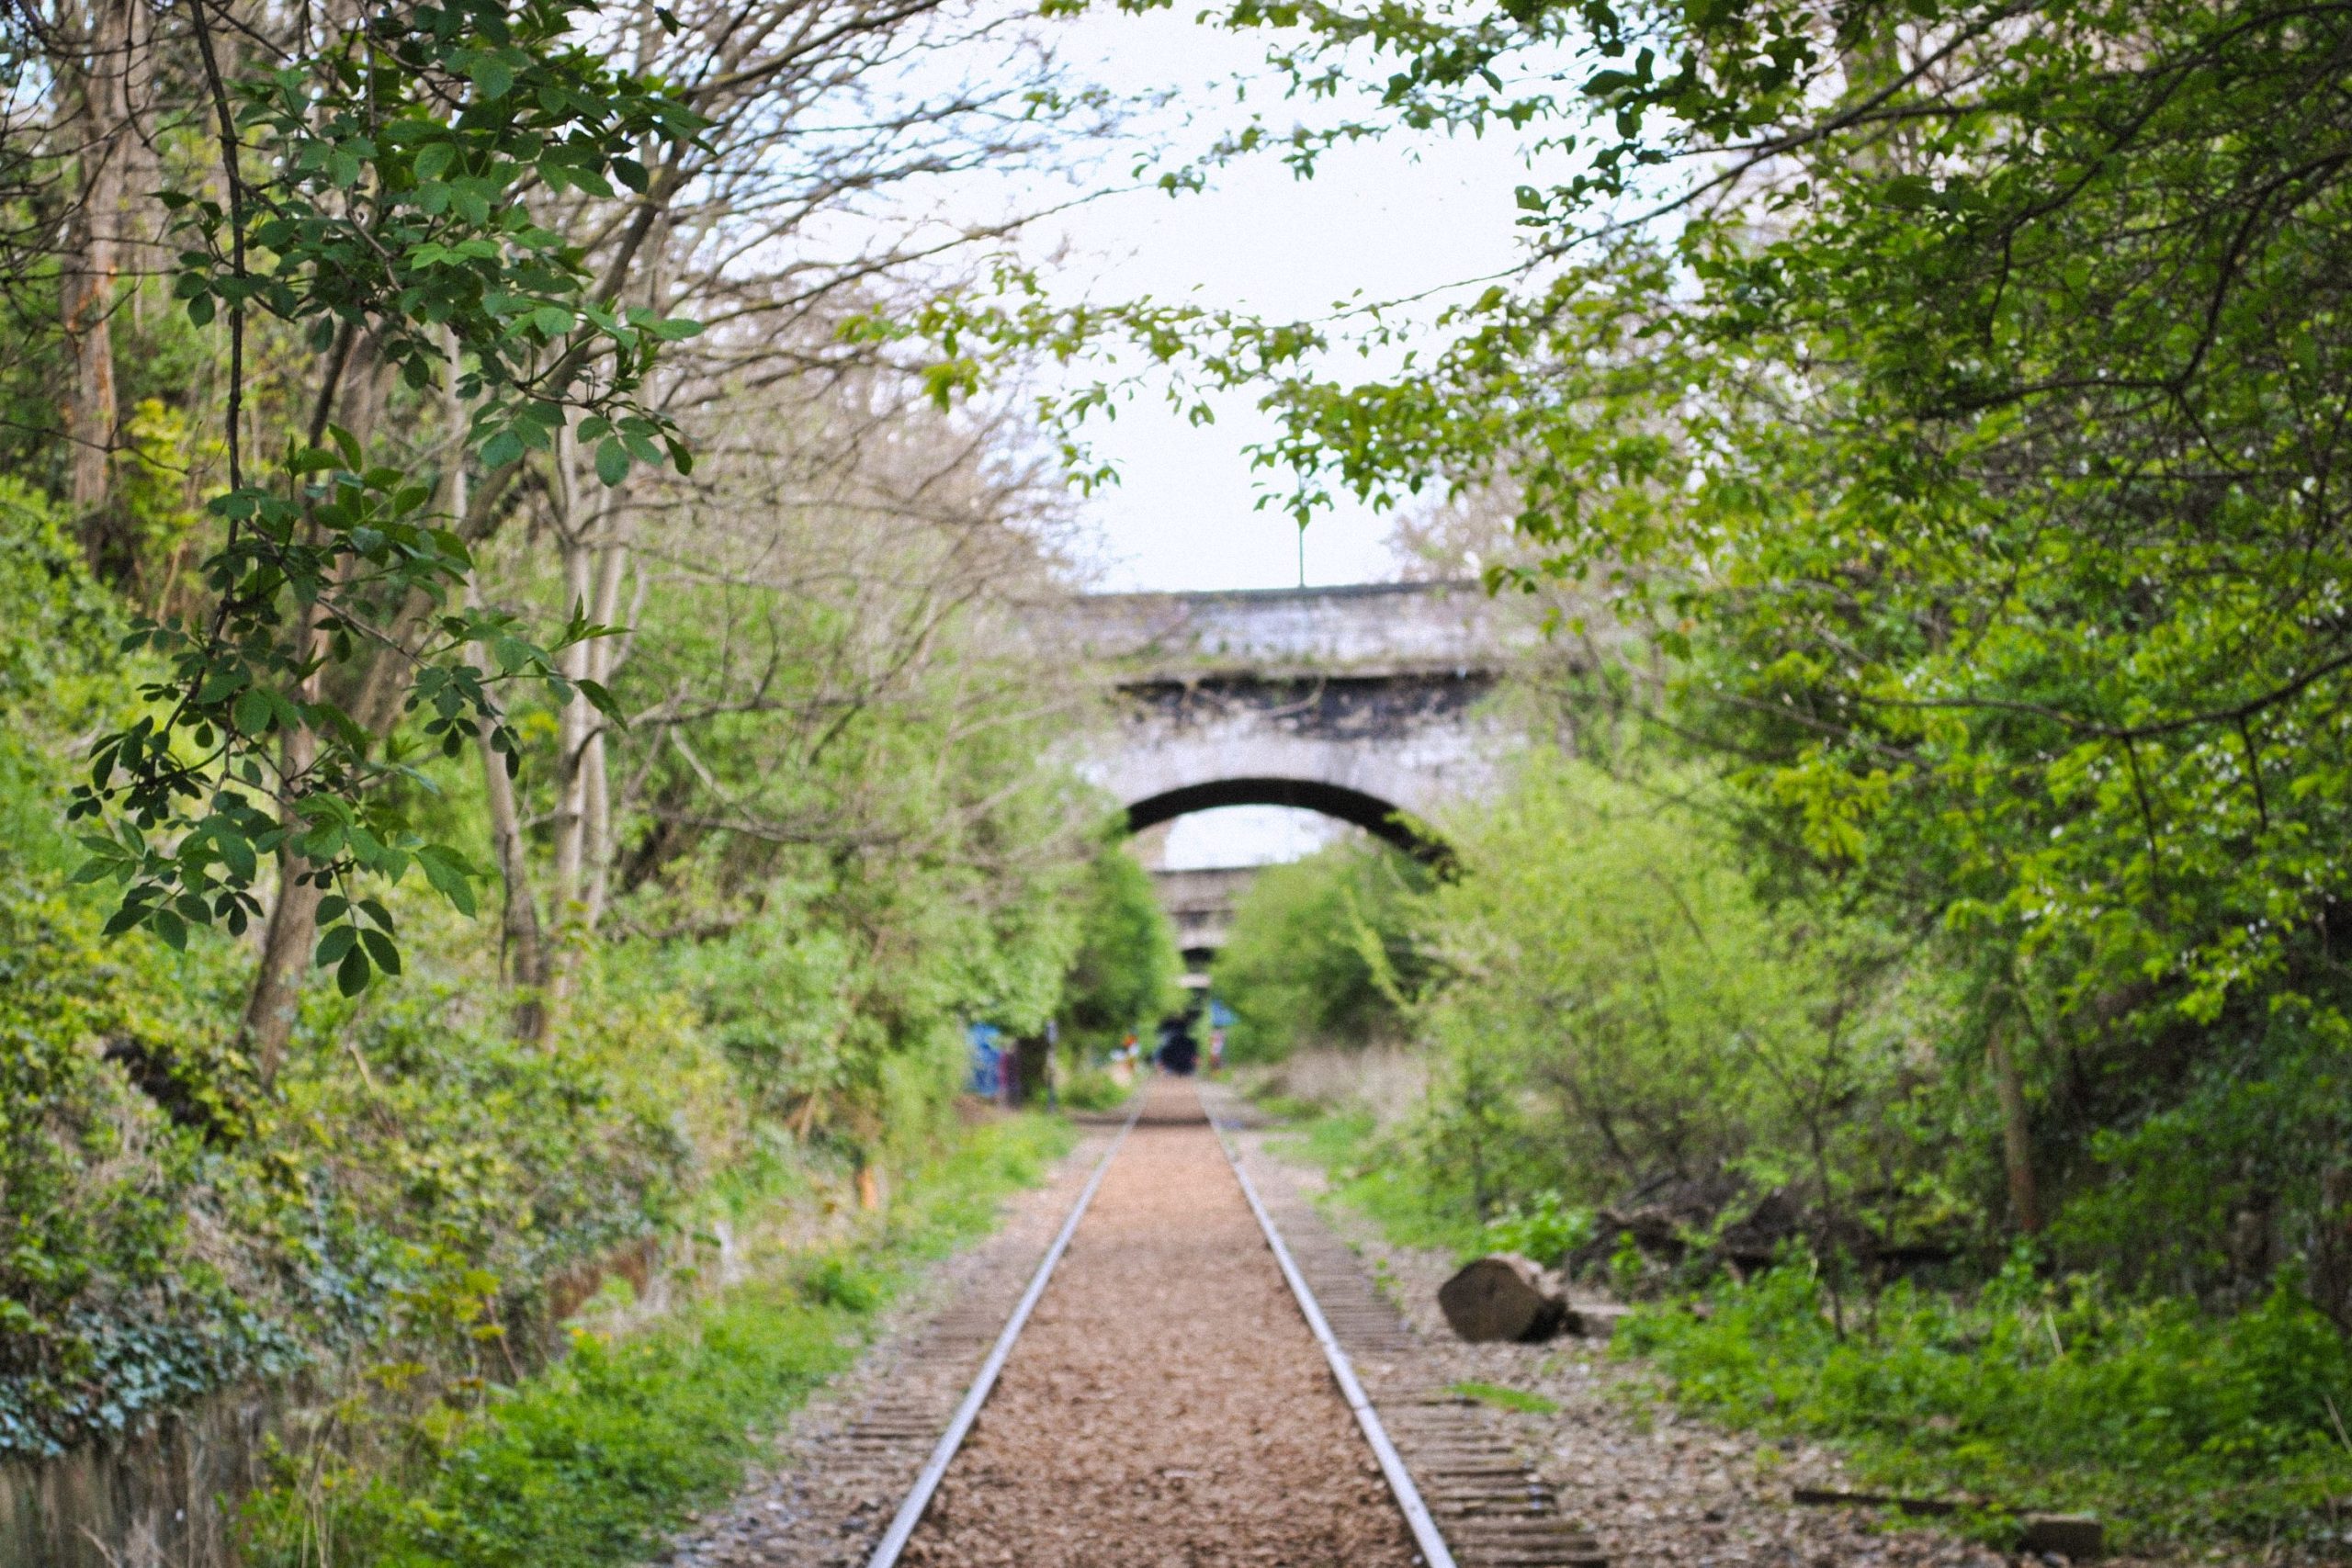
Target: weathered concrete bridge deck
(1361, 702)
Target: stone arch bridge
(1359, 702)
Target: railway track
(876, 1470)
(1489, 1505)
(902, 1524)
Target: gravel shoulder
(1655, 1487)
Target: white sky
(1375, 223)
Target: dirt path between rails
(1166, 1407)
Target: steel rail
(1435, 1553)
(910, 1512)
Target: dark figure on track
(1179, 1052)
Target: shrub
(2053, 1394)
(1541, 1227)
(1125, 972)
(1615, 1008)
(1319, 951)
(1093, 1088)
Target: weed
(838, 1279)
(1093, 1088)
(1503, 1398)
(1404, 1197)
(1543, 1227)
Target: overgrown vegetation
(1416, 1201)
(522, 754)
(2040, 1393)
(1126, 974)
(494, 518)
(1651, 1066)
(1922, 420)
(1501, 1398)
(589, 1463)
(766, 1028)
(2029, 1390)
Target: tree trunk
(277, 984)
(87, 295)
(2017, 1132)
(286, 942)
(522, 949)
(2331, 1270)
(522, 954)
(604, 658)
(591, 534)
(575, 725)
(573, 722)
(142, 248)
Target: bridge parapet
(1362, 630)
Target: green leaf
(252, 712)
(598, 697)
(220, 686)
(335, 945)
(351, 975)
(449, 877)
(381, 949)
(236, 851)
(612, 461)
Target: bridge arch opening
(1374, 815)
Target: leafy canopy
(1956, 389)
(375, 187)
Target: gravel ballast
(1166, 1404)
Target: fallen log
(1591, 1321)
(2079, 1536)
(1829, 1497)
(1502, 1296)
